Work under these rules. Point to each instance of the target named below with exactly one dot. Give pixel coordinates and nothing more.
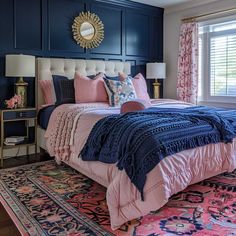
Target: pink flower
(10, 103)
(17, 98)
(13, 102)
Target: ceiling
(163, 3)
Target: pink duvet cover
(68, 130)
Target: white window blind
(217, 61)
(223, 65)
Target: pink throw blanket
(62, 125)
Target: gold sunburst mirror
(88, 30)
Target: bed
(171, 175)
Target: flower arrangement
(13, 102)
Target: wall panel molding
(137, 34)
(43, 28)
(112, 29)
(61, 14)
(27, 18)
(155, 11)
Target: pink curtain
(187, 78)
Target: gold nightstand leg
(1, 156)
(35, 136)
(27, 136)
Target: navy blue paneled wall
(133, 32)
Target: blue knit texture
(138, 141)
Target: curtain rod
(208, 14)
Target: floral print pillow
(119, 91)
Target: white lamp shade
(20, 66)
(156, 70)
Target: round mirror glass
(87, 30)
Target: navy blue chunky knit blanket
(138, 141)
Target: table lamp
(156, 71)
(20, 66)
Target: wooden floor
(7, 227)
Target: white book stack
(13, 140)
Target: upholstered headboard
(46, 67)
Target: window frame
(205, 70)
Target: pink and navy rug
(45, 199)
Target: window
(217, 61)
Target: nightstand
(29, 117)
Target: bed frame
(170, 176)
(46, 67)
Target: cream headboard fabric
(46, 67)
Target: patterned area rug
(45, 199)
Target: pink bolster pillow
(134, 105)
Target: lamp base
(156, 87)
(21, 89)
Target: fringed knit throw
(138, 141)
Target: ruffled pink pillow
(134, 105)
(140, 86)
(48, 91)
(90, 90)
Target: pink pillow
(140, 87)
(47, 88)
(134, 105)
(89, 90)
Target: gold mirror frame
(97, 24)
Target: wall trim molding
(137, 5)
(185, 6)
